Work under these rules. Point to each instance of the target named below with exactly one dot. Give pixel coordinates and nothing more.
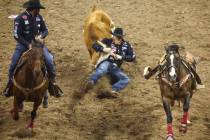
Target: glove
(107, 50)
(29, 46)
(118, 57)
(39, 39)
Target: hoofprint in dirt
(138, 113)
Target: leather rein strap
(182, 81)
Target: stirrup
(7, 91)
(146, 72)
(200, 86)
(55, 90)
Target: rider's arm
(43, 28)
(98, 48)
(18, 31)
(127, 53)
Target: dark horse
(30, 81)
(176, 83)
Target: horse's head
(173, 61)
(36, 58)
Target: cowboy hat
(33, 4)
(118, 32)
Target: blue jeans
(20, 49)
(110, 68)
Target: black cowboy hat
(33, 4)
(118, 32)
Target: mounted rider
(29, 26)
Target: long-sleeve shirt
(124, 49)
(26, 27)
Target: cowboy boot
(7, 92)
(54, 89)
(88, 86)
(113, 94)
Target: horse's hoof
(30, 126)
(189, 122)
(170, 137)
(183, 128)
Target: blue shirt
(26, 27)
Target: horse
(30, 82)
(176, 83)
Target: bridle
(179, 82)
(169, 58)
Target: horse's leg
(14, 111)
(167, 109)
(20, 105)
(186, 105)
(188, 119)
(33, 113)
(45, 100)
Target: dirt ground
(138, 113)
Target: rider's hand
(39, 39)
(107, 50)
(113, 55)
(29, 46)
(118, 57)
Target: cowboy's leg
(98, 73)
(123, 79)
(49, 64)
(19, 50)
